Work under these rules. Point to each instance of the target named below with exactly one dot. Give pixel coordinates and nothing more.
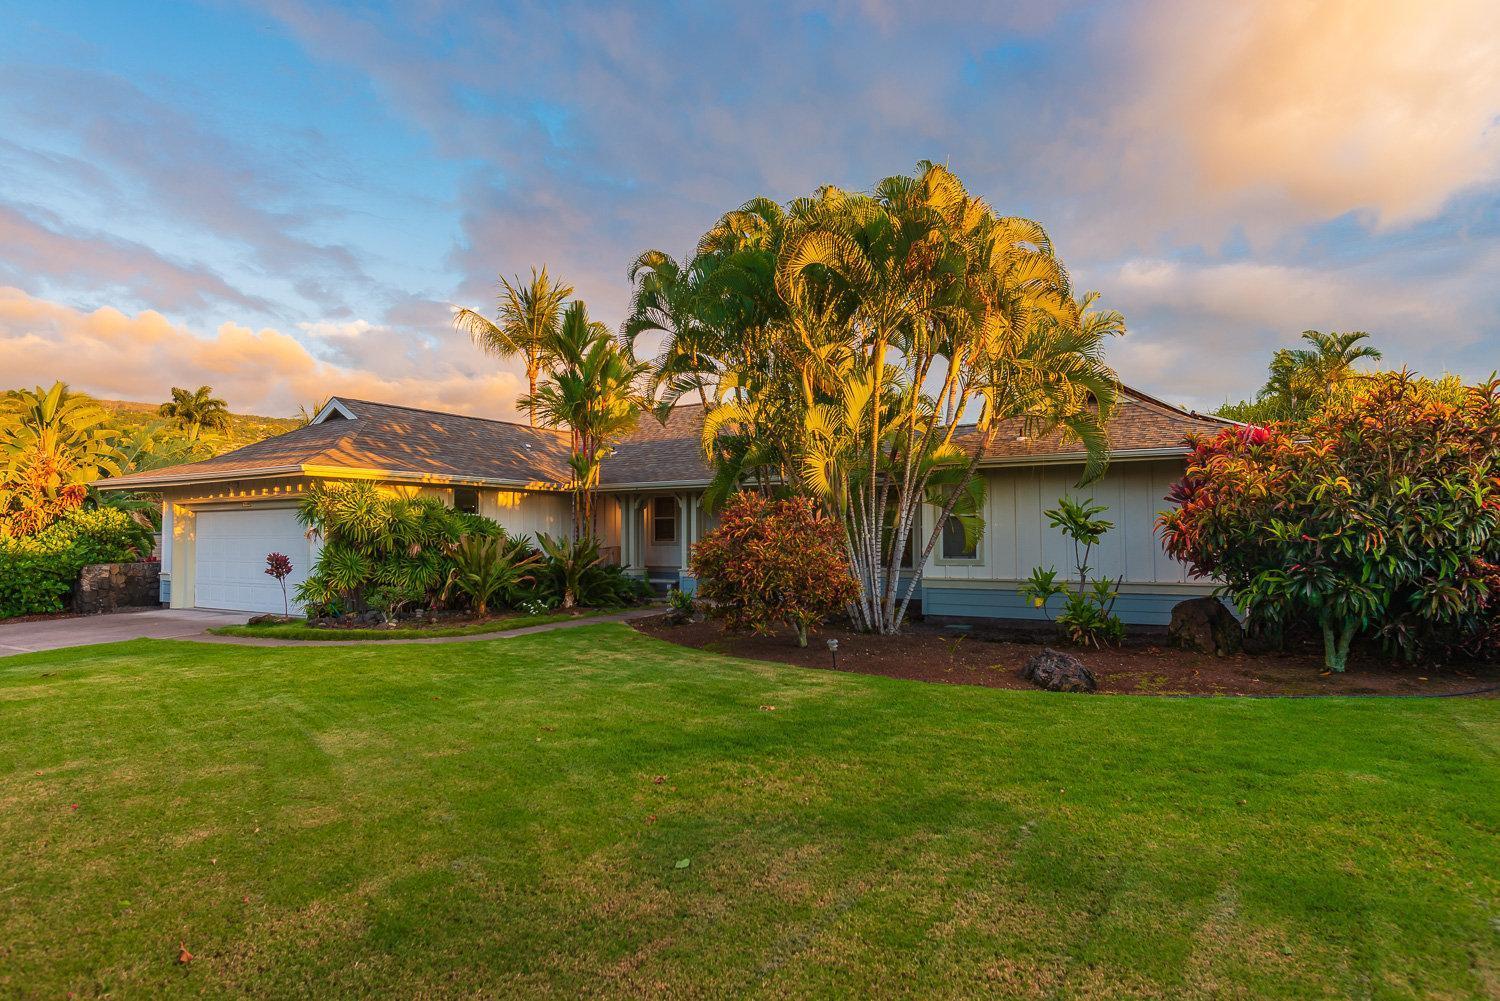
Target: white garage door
(231, 549)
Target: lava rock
(1207, 626)
(1059, 672)
(268, 618)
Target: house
(222, 516)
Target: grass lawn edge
(298, 631)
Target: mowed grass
(593, 812)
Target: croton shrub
(1378, 517)
(773, 561)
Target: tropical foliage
(1379, 516)
(527, 322)
(37, 572)
(593, 391)
(394, 554)
(1302, 379)
(866, 350)
(279, 568)
(380, 550)
(489, 566)
(196, 410)
(574, 567)
(774, 561)
(1087, 617)
(53, 443)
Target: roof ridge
(1143, 397)
(450, 413)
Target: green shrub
(1088, 617)
(488, 566)
(773, 561)
(385, 552)
(1379, 517)
(37, 573)
(594, 584)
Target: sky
(283, 199)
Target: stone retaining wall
(105, 587)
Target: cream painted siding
(1017, 537)
(528, 512)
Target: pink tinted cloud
(115, 355)
(39, 245)
(1389, 109)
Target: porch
(655, 532)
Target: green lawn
(300, 630)
(593, 812)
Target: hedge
(38, 572)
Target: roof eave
(1072, 458)
(325, 472)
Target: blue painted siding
(686, 582)
(1004, 603)
(164, 589)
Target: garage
(230, 557)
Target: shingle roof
(393, 439)
(417, 444)
(661, 453)
(1140, 423)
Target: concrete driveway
(155, 623)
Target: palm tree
(594, 391)
(670, 299)
(1299, 378)
(52, 444)
(893, 336)
(525, 325)
(196, 410)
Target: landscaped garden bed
(1142, 665)
(463, 624)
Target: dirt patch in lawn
(1143, 665)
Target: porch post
(682, 535)
(637, 541)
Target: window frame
(941, 557)
(657, 519)
(466, 490)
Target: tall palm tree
(903, 328)
(196, 410)
(526, 324)
(594, 391)
(667, 300)
(52, 444)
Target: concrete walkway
(546, 627)
(130, 624)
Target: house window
(957, 545)
(663, 520)
(466, 499)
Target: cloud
(169, 166)
(328, 328)
(1203, 332)
(115, 355)
(1339, 106)
(40, 246)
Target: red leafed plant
(772, 561)
(280, 567)
(1379, 516)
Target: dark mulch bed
(1144, 665)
